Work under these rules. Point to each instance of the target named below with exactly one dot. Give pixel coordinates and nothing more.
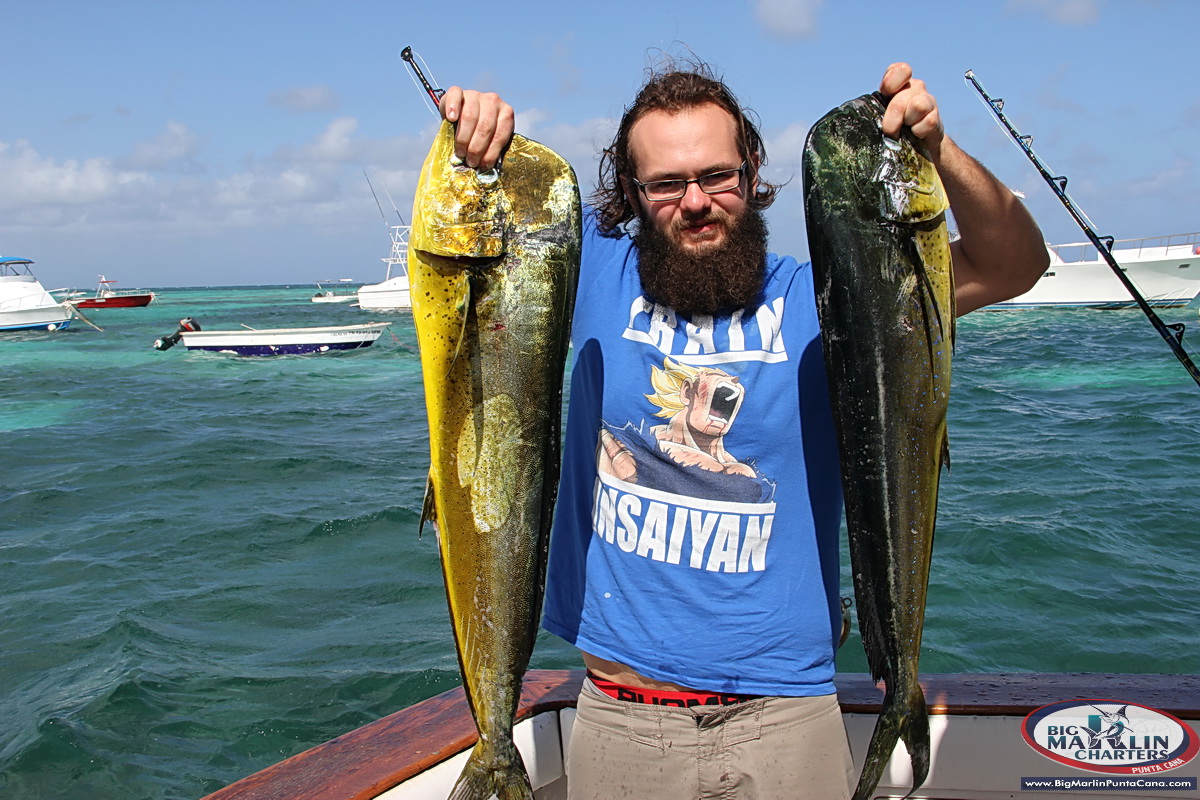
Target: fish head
(459, 212)
(849, 142)
(909, 190)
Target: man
(700, 586)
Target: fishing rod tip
(969, 74)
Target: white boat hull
(1166, 276)
(26, 305)
(391, 295)
(285, 341)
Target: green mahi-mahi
(875, 210)
(493, 260)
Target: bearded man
(709, 627)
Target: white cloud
(334, 144)
(306, 98)
(317, 184)
(30, 180)
(788, 19)
(785, 150)
(175, 148)
(1164, 182)
(579, 144)
(171, 185)
(1066, 12)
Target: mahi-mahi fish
(876, 215)
(493, 261)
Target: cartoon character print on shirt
(672, 491)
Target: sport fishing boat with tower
(392, 293)
(24, 302)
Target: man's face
(691, 143)
(701, 253)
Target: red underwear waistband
(660, 697)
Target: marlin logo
(1107, 726)
(1110, 736)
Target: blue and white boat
(283, 341)
(24, 302)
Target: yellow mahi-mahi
(493, 260)
(875, 209)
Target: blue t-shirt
(696, 533)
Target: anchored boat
(273, 341)
(24, 302)
(392, 294)
(107, 297)
(324, 295)
(1166, 269)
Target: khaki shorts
(788, 748)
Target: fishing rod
(1172, 334)
(410, 58)
(377, 203)
(486, 176)
(380, 206)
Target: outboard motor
(185, 325)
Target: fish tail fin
(901, 718)
(497, 771)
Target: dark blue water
(211, 563)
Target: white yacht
(1164, 269)
(24, 302)
(392, 294)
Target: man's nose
(694, 199)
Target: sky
(228, 143)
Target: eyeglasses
(713, 183)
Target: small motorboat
(1165, 269)
(107, 297)
(24, 302)
(981, 747)
(324, 295)
(273, 341)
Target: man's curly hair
(673, 89)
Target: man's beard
(718, 280)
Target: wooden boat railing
(366, 762)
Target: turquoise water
(211, 563)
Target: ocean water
(211, 563)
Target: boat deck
(975, 722)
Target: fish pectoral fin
(464, 309)
(428, 508)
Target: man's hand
(484, 125)
(911, 104)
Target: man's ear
(753, 167)
(631, 192)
